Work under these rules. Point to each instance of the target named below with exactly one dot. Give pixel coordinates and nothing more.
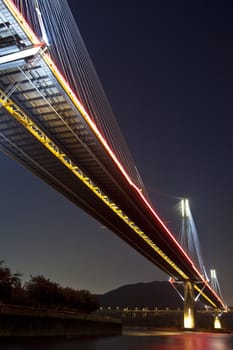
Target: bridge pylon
(190, 243)
(217, 322)
(215, 285)
(189, 299)
(189, 302)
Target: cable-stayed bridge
(56, 121)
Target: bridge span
(45, 127)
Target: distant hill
(158, 294)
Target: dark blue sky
(166, 67)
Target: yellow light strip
(205, 296)
(32, 127)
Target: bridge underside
(31, 86)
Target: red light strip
(31, 35)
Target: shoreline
(25, 322)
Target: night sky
(166, 67)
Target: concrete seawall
(28, 322)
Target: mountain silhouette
(158, 294)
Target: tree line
(40, 291)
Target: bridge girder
(50, 110)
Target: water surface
(131, 340)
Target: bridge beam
(21, 54)
(189, 302)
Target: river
(131, 340)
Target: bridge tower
(189, 301)
(190, 243)
(215, 285)
(189, 319)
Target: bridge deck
(32, 88)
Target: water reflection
(192, 342)
(139, 340)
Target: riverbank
(16, 321)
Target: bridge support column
(217, 322)
(189, 319)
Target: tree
(43, 291)
(88, 301)
(8, 282)
(81, 300)
(70, 298)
